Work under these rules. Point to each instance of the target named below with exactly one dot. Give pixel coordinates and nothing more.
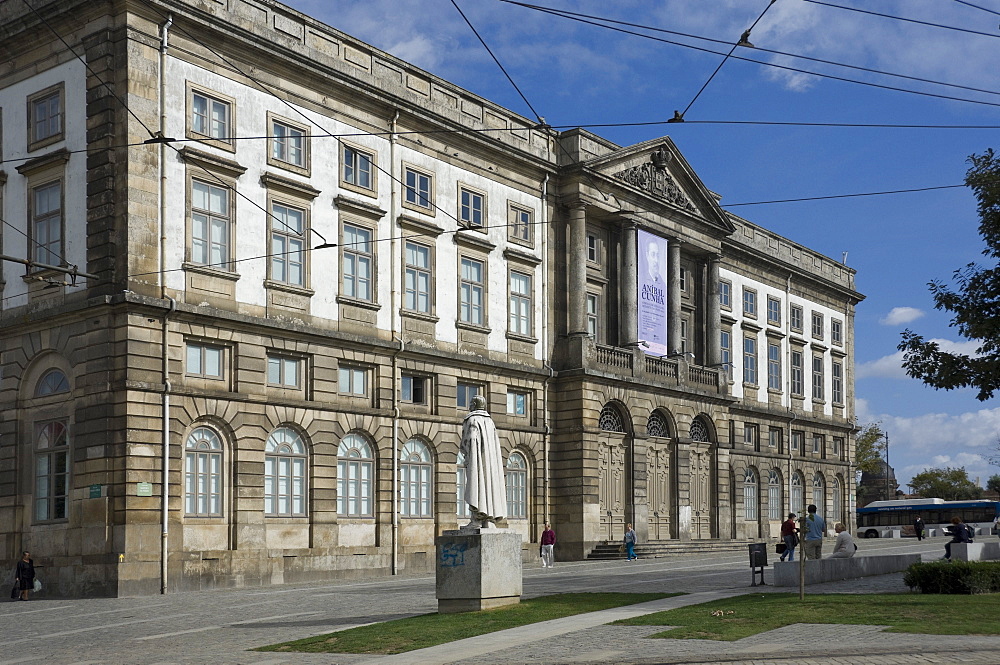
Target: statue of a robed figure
(485, 489)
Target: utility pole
(888, 469)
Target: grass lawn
(431, 629)
(747, 615)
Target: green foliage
(993, 483)
(975, 304)
(743, 616)
(955, 577)
(869, 448)
(429, 630)
(947, 483)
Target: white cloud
(891, 366)
(901, 315)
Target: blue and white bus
(894, 519)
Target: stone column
(713, 350)
(674, 295)
(577, 266)
(630, 290)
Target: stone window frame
(283, 358)
(305, 168)
(774, 373)
(303, 493)
(839, 447)
(749, 302)
(51, 453)
(412, 383)
(517, 492)
(431, 207)
(431, 281)
(837, 332)
(798, 442)
(594, 327)
(358, 150)
(726, 350)
(750, 358)
(421, 466)
(480, 389)
(837, 382)
(819, 444)
(595, 248)
(228, 143)
(483, 286)
(366, 461)
(520, 218)
(473, 192)
(797, 373)
(726, 295)
(818, 377)
(273, 229)
(37, 251)
(797, 493)
(351, 371)
(59, 91)
(520, 298)
(685, 331)
(222, 475)
(774, 498)
(215, 172)
(512, 395)
(774, 438)
(225, 360)
(751, 435)
(816, 324)
(751, 495)
(773, 311)
(796, 318)
(348, 248)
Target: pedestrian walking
(24, 575)
(815, 530)
(545, 550)
(788, 535)
(918, 527)
(630, 540)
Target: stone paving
(221, 627)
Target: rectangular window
(211, 117)
(685, 327)
(520, 304)
(288, 144)
(726, 295)
(205, 361)
(519, 224)
(726, 344)
(358, 168)
(684, 276)
(750, 360)
(471, 207)
(282, 371)
(471, 289)
(417, 276)
(418, 188)
(751, 436)
(838, 447)
(52, 467)
(517, 403)
(774, 438)
(817, 325)
(773, 311)
(47, 223)
(773, 366)
(358, 260)
(817, 383)
(749, 302)
(464, 394)
(837, 331)
(45, 117)
(288, 229)
(797, 373)
(592, 316)
(837, 375)
(593, 249)
(210, 225)
(798, 441)
(353, 381)
(818, 443)
(414, 389)
(795, 318)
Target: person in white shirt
(844, 548)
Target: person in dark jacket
(959, 534)
(24, 575)
(918, 527)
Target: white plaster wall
(14, 105)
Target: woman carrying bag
(24, 575)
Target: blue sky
(577, 74)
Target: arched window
(51, 470)
(415, 479)
(460, 482)
(284, 474)
(657, 425)
(203, 474)
(355, 469)
(517, 486)
(611, 420)
(797, 503)
(836, 511)
(52, 382)
(774, 495)
(750, 495)
(698, 430)
(818, 493)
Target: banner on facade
(652, 287)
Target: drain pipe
(393, 314)
(165, 463)
(546, 508)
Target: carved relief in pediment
(652, 177)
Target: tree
(993, 483)
(947, 483)
(869, 448)
(975, 304)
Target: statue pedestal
(478, 569)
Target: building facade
(255, 269)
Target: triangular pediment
(658, 170)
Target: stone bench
(830, 570)
(987, 551)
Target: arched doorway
(703, 480)
(616, 480)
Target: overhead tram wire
(985, 9)
(774, 65)
(742, 41)
(573, 15)
(841, 196)
(903, 18)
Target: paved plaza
(219, 627)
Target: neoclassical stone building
(255, 270)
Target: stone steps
(608, 550)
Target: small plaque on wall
(144, 489)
